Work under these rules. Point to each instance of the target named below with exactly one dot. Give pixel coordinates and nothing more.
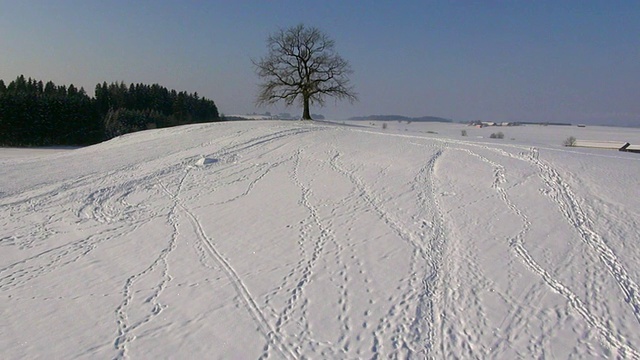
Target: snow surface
(305, 240)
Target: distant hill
(269, 116)
(400, 118)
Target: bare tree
(302, 65)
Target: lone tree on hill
(302, 65)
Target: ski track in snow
(296, 280)
(126, 327)
(47, 204)
(407, 328)
(270, 333)
(561, 193)
(434, 309)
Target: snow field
(295, 240)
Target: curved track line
(272, 335)
(410, 338)
(568, 203)
(563, 196)
(239, 286)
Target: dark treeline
(36, 114)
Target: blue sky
(573, 61)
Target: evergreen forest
(33, 113)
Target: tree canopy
(302, 65)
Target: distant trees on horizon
(400, 118)
(33, 113)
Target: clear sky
(559, 61)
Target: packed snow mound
(304, 240)
(206, 161)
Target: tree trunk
(305, 112)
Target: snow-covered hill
(292, 240)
